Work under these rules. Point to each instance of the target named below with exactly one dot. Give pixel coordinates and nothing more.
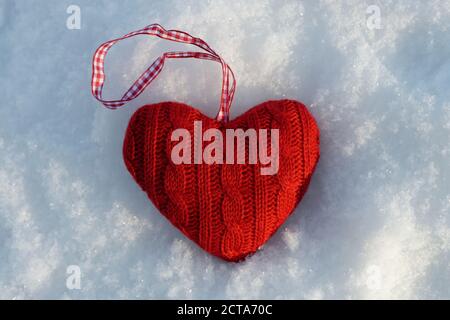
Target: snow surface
(375, 221)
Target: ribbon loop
(98, 72)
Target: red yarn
(230, 210)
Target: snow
(375, 221)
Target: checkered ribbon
(98, 74)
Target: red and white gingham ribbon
(98, 74)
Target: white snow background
(374, 222)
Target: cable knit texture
(229, 210)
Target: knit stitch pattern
(230, 210)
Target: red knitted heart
(229, 210)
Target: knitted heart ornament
(227, 203)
